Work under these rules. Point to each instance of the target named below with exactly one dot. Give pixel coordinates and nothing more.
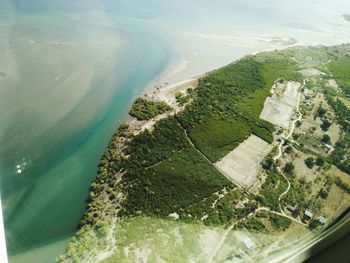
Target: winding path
(267, 209)
(280, 150)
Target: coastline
(108, 182)
(186, 55)
(152, 91)
(161, 93)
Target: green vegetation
(323, 193)
(342, 185)
(320, 161)
(163, 173)
(296, 197)
(184, 98)
(219, 211)
(267, 163)
(144, 109)
(325, 138)
(253, 225)
(273, 187)
(325, 125)
(341, 154)
(314, 224)
(217, 137)
(289, 149)
(171, 240)
(289, 168)
(149, 148)
(256, 224)
(172, 185)
(233, 98)
(279, 222)
(155, 173)
(310, 162)
(342, 112)
(321, 112)
(340, 69)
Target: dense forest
(162, 172)
(341, 154)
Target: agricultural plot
(216, 138)
(279, 108)
(242, 165)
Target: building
(291, 208)
(328, 147)
(308, 214)
(247, 242)
(322, 220)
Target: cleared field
(279, 108)
(242, 165)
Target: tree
(267, 163)
(288, 168)
(314, 224)
(321, 111)
(325, 125)
(296, 136)
(289, 149)
(319, 161)
(325, 138)
(309, 162)
(323, 193)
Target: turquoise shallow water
(51, 144)
(70, 70)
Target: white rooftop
(247, 241)
(308, 213)
(322, 220)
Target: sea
(70, 70)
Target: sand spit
(249, 41)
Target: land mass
(257, 147)
(346, 17)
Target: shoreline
(159, 93)
(108, 183)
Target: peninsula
(231, 165)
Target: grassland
(340, 69)
(147, 239)
(216, 137)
